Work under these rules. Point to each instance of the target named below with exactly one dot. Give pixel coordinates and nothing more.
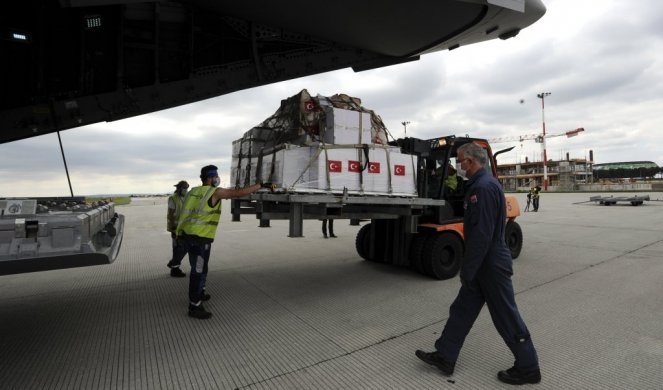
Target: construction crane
(539, 138)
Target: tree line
(627, 173)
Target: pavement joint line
(589, 266)
(435, 323)
(348, 353)
(293, 314)
(599, 227)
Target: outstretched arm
(229, 193)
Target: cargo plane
(72, 63)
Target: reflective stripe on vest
(197, 218)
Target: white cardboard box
(334, 169)
(347, 127)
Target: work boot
(517, 376)
(434, 359)
(199, 312)
(177, 272)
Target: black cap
(182, 184)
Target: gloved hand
(269, 185)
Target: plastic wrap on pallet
(305, 120)
(333, 169)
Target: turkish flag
(334, 166)
(354, 166)
(399, 170)
(309, 106)
(373, 167)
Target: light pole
(542, 96)
(405, 123)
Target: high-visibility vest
(452, 182)
(172, 218)
(197, 218)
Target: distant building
(564, 175)
(581, 174)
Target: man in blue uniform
(485, 277)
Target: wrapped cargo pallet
(323, 144)
(358, 169)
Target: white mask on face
(460, 171)
(216, 182)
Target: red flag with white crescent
(373, 167)
(399, 170)
(334, 166)
(309, 106)
(353, 166)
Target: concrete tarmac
(308, 313)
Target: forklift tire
(513, 235)
(417, 252)
(443, 255)
(363, 242)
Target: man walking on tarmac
(485, 277)
(197, 228)
(175, 203)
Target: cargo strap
(363, 164)
(317, 154)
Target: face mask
(460, 171)
(216, 182)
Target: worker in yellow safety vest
(535, 197)
(196, 230)
(175, 203)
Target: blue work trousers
(496, 290)
(179, 251)
(198, 258)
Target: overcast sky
(601, 60)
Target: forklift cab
(443, 181)
(435, 157)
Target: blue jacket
(484, 222)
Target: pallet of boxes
(323, 145)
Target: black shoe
(199, 312)
(516, 376)
(434, 359)
(333, 236)
(177, 273)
